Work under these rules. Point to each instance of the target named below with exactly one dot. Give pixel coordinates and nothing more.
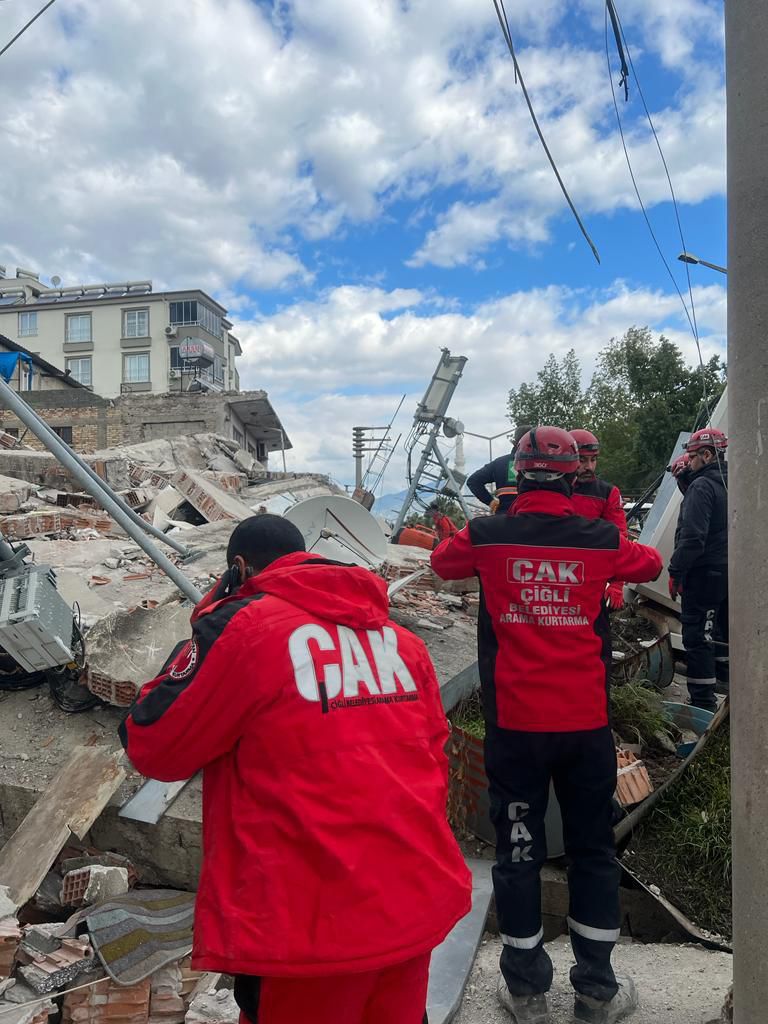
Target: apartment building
(122, 338)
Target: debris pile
(682, 848)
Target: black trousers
(704, 620)
(582, 766)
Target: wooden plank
(70, 805)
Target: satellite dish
(55, 280)
(339, 528)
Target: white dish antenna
(341, 529)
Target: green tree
(555, 397)
(641, 395)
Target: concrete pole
(746, 24)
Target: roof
(255, 411)
(40, 363)
(88, 294)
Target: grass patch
(637, 716)
(468, 716)
(684, 845)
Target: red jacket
(597, 499)
(543, 632)
(319, 727)
(445, 527)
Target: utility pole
(358, 453)
(746, 31)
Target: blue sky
(360, 184)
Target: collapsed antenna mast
(432, 474)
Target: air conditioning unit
(175, 374)
(171, 331)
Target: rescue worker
(698, 569)
(597, 499)
(501, 473)
(329, 870)
(443, 524)
(544, 655)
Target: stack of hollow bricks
(33, 524)
(119, 694)
(162, 998)
(10, 937)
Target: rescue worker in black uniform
(698, 569)
(502, 474)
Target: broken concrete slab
(219, 1008)
(13, 493)
(52, 971)
(213, 503)
(127, 649)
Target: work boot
(607, 1011)
(524, 1009)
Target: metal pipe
(56, 446)
(132, 513)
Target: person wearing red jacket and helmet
(597, 499)
(329, 870)
(544, 654)
(443, 524)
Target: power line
(610, 9)
(21, 31)
(505, 30)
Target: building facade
(122, 338)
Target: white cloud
(346, 358)
(194, 141)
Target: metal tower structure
(432, 474)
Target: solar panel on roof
(10, 300)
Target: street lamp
(278, 430)
(490, 440)
(687, 257)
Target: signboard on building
(196, 350)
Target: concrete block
(244, 461)
(92, 884)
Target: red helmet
(709, 437)
(587, 442)
(547, 450)
(679, 464)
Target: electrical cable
(22, 30)
(506, 32)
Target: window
(136, 323)
(184, 312)
(190, 311)
(13, 431)
(136, 368)
(65, 433)
(78, 327)
(81, 370)
(237, 437)
(218, 369)
(177, 363)
(27, 325)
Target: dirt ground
(677, 984)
